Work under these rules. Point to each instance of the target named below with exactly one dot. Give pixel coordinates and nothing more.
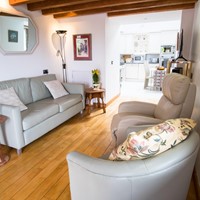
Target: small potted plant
(96, 78)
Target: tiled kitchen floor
(134, 90)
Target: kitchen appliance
(126, 59)
(138, 59)
(167, 49)
(152, 58)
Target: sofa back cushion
(21, 87)
(38, 88)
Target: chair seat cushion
(132, 119)
(154, 140)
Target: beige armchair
(177, 101)
(163, 177)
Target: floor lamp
(61, 51)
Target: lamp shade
(61, 31)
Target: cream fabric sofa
(43, 114)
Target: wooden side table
(4, 158)
(91, 93)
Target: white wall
(24, 65)
(195, 56)
(112, 59)
(80, 71)
(187, 26)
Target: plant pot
(96, 86)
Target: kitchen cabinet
(141, 72)
(154, 43)
(151, 42)
(126, 42)
(134, 72)
(131, 71)
(168, 37)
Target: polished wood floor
(41, 173)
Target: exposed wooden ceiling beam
(18, 2)
(92, 5)
(55, 4)
(149, 10)
(154, 5)
(69, 8)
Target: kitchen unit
(134, 70)
(131, 67)
(152, 58)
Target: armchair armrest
(137, 107)
(12, 134)
(76, 88)
(123, 121)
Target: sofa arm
(12, 134)
(76, 88)
(137, 107)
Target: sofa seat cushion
(37, 112)
(66, 101)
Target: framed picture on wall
(82, 46)
(12, 36)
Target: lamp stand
(61, 51)
(64, 73)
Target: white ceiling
(153, 22)
(150, 27)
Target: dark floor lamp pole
(64, 73)
(61, 52)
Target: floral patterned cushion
(154, 140)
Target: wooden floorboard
(41, 172)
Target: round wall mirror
(18, 34)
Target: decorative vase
(96, 86)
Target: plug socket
(45, 71)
